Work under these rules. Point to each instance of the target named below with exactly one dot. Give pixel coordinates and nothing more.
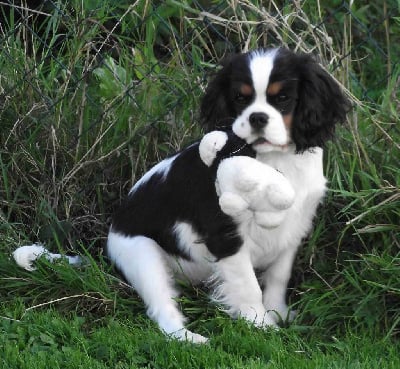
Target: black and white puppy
(284, 106)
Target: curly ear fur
(214, 109)
(215, 113)
(321, 104)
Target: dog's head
(274, 98)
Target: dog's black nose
(258, 120)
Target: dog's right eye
(242, 92)
(241, 99)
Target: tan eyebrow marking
(274, 88)
(246, 90)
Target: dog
(284, 107)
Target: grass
(74, 342)
(92, 94)
(92, 320)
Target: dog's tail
(25, 256)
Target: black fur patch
(186, 194)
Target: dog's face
(274, 98)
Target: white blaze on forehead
(261, 65)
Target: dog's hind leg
(143, 263)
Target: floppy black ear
(320, 106)
(215, 110)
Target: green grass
(91, 97)
(87, 317)
(47, 339)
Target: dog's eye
(240, 98)
(280, 98)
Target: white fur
(261, 65)
(275, 132)
(200, 268)
(144, 265)
(238, 289)
(25, 256)
(210, 144)
(273, 249)
(162, 167)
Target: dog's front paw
(258, 317)
(188, 336)
(210, 145)
(282, 313)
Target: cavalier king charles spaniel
(241, 200)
